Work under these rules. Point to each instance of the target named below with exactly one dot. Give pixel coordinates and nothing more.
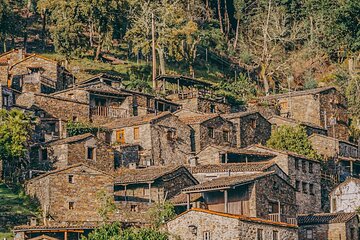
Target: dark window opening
(304, 187)
(297, 164)
(260, 234)
(90, 153)
(311, 189)
(297, 185)
(71, 205)
(134, 208)
(44, 154)
(71, 178)
(226, 136)
(311, 167)
(212, 108)
(211, 132)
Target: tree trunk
(207, 9)
(227, 20)
(161, 60)
(220, 17)
(99, 47)
(237, 33)
(264, 57)
(5, 46)
(264, 79)
(43, 32)
(91, 34)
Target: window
(226, 136)
(311, 167)
(260, 234)
(304, 187)
(135, 111)
(212, 108)
(223, 157)
(44, 154)
(253, 123)
(120, 136)
(297, 185)
(74, 118)
(211, 132)
(6, 100)
(206, 235)
(273, 207)
(171, 135)
(71, 205)
(71, 178)
(311, 189)
(304, 166)
(309, 234)
(134, 208)
(90, 153)
(275, 235)
(136, 133)
(297, 164)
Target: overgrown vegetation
(114, 231)
(292, 139)
(160, 213)
(78, 128)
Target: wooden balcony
(116, 112)
(275, 217)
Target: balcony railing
(275, 217)
(291, 221)
(109, 111)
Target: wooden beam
(149, 193)
(65, 235)
(188, 201)
(226, 207)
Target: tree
(107, 205)
(78, 128)
(160, 213)
(292, 139)
(15, 134)
(114, 231)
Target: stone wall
(346, 197)
(194, 225)
(57, 107)
(198, 104)
(55, 192)
(219, 125)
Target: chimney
(33, 221)
(193, 161)
(132, 166)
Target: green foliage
(160, 213)
(114, 231)
(140, 78)
(78, 128)
(238, 90)
(107, 205)
(292, 139)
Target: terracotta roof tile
(240, 217)
(133, 121)
(325, 218)
(226, 182)
(297, 93)
(197, 119)
(232, 167)
(144, 175)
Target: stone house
(6, 60)
(201, 224)
(304, 174)
(346, 196)
(345, 154)
(325, 107)
(310, 128)
(204, 173)
(137, 189)
(69, 194)
(259, 194)
(7, 97)
(163, 138)
(329, 226)
(210, 129)
(84, 148)
(35, 73)
(215, 154)
(251, 128)
(192, 94)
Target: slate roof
(232, 167)
(102, 76)
(69, 139)
(298, 93)
(184, 80)
(240, 151)
(57, 226)
(239, 114)
(144, 175)
(226, 182)
(295, 121)
(197, 119)
(43, 237)
(332, 139)
(133, 121)
(239, 217)
(325, 218)
(281, 151)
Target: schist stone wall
(203, 105)
(196, 225)
(64, 195)
(250, 129)
(346, 196)
(219, 126)
(57, 107)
